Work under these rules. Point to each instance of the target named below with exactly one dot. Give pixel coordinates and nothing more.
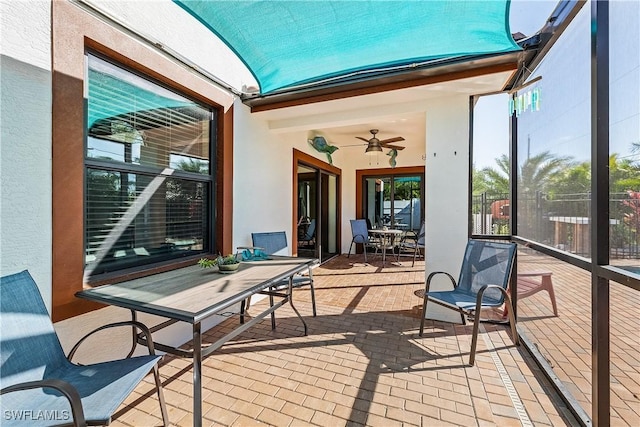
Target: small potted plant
(226, 264)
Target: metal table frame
(145, 295)
(387, 240)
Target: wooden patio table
(193, 294)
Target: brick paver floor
(362, 363)
(565, 341)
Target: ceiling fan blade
(361, 138)
(393, 147)
(396, 139)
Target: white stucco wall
(262, 186)
(25, 141)
(447, 182)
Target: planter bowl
(228, 268)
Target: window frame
(363, 174)
(151, 171)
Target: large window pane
(554, 144)
(624, 134)
(135, 219)
(394, 201)
(490, 206)
(148, 172)
(406, 203)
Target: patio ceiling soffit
(295, 45)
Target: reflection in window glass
(554, 144)
(490, 205)
(128, 225)
(624, 134)
(133, 120)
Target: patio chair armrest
(66, 389)
(483, 289)
(507, 299)
(432, 275)
(142, 327)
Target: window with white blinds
(149, 177)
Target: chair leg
(242, 310)
(548, 285)
(424, 313)
(415, 254)
(512, 319)
(350, 246)
(462, 318)
(476, 325)
(474, 338)
(313, 299)
(244, 307)
(476, 322)
(273, 314)
(163, 406)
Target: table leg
(384, 250)
(197, 375)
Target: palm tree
(572, 180)
(536, 175)
(539, 171)
(624, 174)
(497, 180)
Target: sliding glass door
(394, 201)
(317, 207)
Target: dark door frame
(362, 174)
(307, 160)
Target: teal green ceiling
(290, 43)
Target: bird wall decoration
(393, 153)
(322, 146)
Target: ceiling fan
(376, 145)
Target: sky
(527, 17)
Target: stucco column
(447, 186)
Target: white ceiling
(394, 113)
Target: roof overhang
(442, 71)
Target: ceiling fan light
(373, 149)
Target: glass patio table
(193, 294)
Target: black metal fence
(561, 220)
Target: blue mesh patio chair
(483, 282)
(271, 243)
(309, 236)
(36, 375)
(360, 233)
(413, 242)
